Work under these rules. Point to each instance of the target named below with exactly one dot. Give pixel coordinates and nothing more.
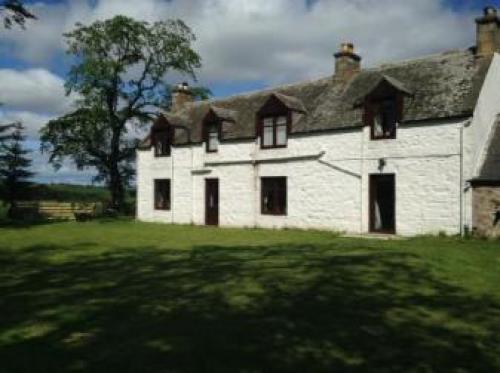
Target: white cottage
(406, 148)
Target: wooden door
(383, 203)
(212, 202)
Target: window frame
(274, 117)
(156, 191)
(271, 185)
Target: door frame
(210, 182)
(372, 190)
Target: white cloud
(32, 121)
(273, 41)
(33, 90)
(45, 172)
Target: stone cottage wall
(327, 178)
(486, 204)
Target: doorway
(383, 203)
(212, 201)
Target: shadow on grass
(23, 224)
(219, 309)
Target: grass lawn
(131, 297)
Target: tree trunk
(116, 189)
(12, 211)
(116, 186)
(12, 197)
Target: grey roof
(301, 97)
(436, 87)
(225, 114)
(175, 119)
(290, 102)
(442, 86)
(374, 82)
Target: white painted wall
(478, 133)
(326, 193)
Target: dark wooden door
(212, 202)
(383, 203)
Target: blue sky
(245, 45)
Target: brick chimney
(347, 63)
(488, 32)
(181, 95)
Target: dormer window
(212, 137)
(162, 142)
(212, 126)
(161, 137)
(274, 120)
(274, 131)
(383, 103)
(385, 119)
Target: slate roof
(437, 87)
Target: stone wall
(486, 203)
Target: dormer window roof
(224, 114)
(379, 86)
(291, 102)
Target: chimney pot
(347, 62)
(488, 32)
(490, 11)
(181, 95)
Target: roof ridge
(412, 60)
(260, 91)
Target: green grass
(131, 297)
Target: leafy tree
(14, 12)
(120, 78)
(14, 166)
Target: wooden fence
(57, 210)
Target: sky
(244, 44)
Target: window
(273, 195)
(162, 194)
(162, 143)
(274, 132)
(212, 137)
(385, 118)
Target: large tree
(14, 166)
(14, 12)
(120, 79)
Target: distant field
(121, 296)
(70, 193)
